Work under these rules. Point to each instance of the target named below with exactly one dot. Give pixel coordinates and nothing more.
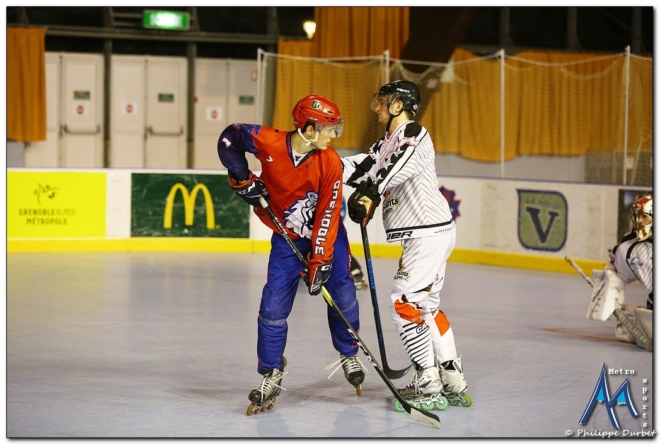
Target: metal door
(82, 110)
(47, 153)
(242, 92)
(127, 115)
(165, 133)
(210, 111)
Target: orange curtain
(353, 32)
(300, 48)
(360, 31)
(26, 84)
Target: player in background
(400, 170)
(630, 260)
(301, 178)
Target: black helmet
(405, 91)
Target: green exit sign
(166, 20)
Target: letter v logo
(534, 214)
(542, 219)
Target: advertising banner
(55, 204)
(186, 205)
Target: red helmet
(318, 110)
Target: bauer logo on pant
(542, 219)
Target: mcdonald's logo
(189, 205)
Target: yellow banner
(55, 204)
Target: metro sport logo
(601, 394)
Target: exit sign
(166, 20)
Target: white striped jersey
(633, 260)
(402, 165)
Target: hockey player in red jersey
(302, 180)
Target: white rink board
(488, 213)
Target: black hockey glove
(363, 203)
(317, 274)
(250, 190)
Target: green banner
(542, 219)
(186, 205)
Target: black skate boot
(263, 396)
(353, 370)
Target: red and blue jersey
(305, 190)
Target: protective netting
(349, 83)
(489, 110)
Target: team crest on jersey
(317, 105)
(299, 218)
(635, 263)
(389, 206)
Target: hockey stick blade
(429, 418)
(618, 313)
(391, 373)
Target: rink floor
(158, 345)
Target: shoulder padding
(413, 129)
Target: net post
(626, 115)
(258, 99)
(502, 83)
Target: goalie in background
(631, 259)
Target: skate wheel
(427, 405)
(441, 403)
(466, 400)
(358, 390)
(398, 407)
(250, 409)
(453, 401)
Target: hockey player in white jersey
(399, 170)
(630, 260)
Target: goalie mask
(318, 111)
(641, 213)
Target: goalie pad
(634, 320)
(607, 294)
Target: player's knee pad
(406, 312)
(439, 319)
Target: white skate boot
(353, 370)
(424, 391)
(263, 396)
(453, 382)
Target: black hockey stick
(618, 313)
(391, 373)
(427, 417)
